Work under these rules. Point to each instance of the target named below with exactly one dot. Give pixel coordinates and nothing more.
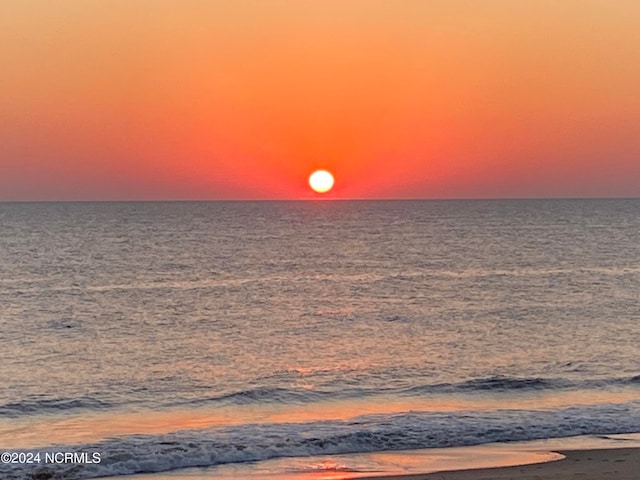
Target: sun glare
(321, 181)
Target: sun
(321, 181)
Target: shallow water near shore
(409, 462)
(174, 335)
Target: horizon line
(319, 199)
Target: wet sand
(610, 464)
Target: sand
(609, 464)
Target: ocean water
(200, 334)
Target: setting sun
(321, 181)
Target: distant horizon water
(322, 197)
(165, 335)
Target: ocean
(168, 335)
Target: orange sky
(159, 99)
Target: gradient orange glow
(159, 99)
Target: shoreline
(615, 457)
(598, 464)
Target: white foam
(413, 430)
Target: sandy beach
(614, 464)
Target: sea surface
(163, 336)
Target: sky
(196, 99)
